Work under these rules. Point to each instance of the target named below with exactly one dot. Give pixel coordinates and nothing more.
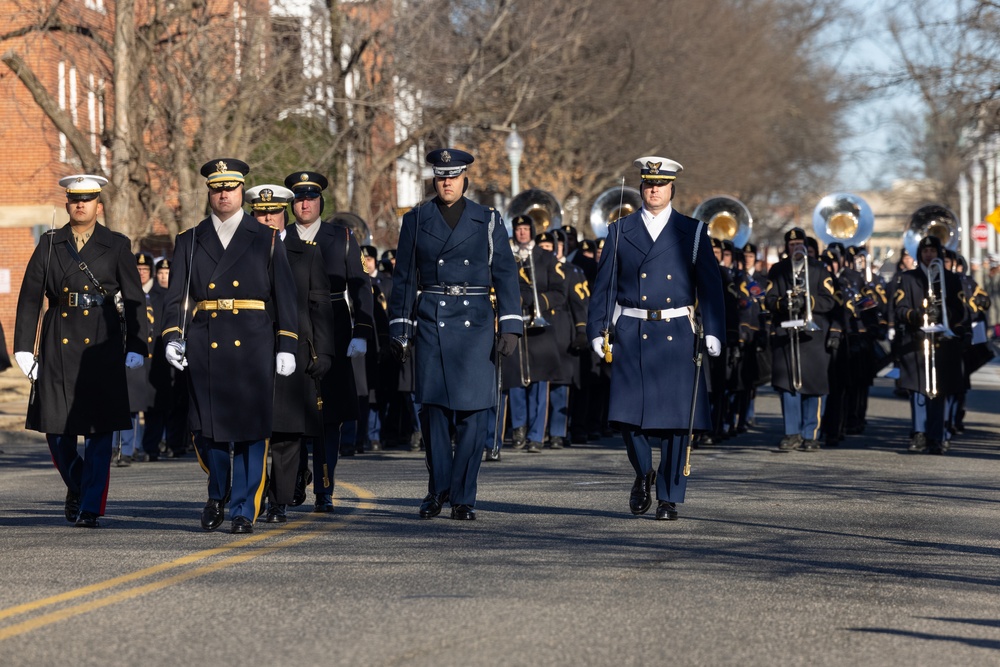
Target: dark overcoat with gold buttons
(814, 355)
(346, 270)
(454, 347)
(81, 387)
(231, 353)
(295, 408)
(652, 367)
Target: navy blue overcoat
(652, 370)
(454, 348)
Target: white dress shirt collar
(656, 223)
(226, 229)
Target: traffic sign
(979, 233)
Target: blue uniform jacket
(230, 353)
(454, 335)
(652, 370)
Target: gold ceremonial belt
(230, 304)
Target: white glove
(133, 360)
(713, 345)
(891, 335)
(598, 346)
(175, 355)
(285, 363)
(26, 362)
(357, 347)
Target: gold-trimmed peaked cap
(83, 187)
(225, 172)
(306, 183)
(268, 197)
(449, 162)
(655, 169)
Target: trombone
(800, 320)
(936, 295)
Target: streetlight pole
(976, 171)
(515, 149)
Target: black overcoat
(82, 387)
(231, 353)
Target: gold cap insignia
(79, 179)
(265, 195)
(304, 177)
(221, 166)
(654, 167)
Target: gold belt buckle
(225, 304)
(73, 299)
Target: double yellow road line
(245, 551)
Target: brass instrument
(799, 321)
(931, 220)
(937, 295)
(727, 218)
(611, 205)
(541, 206)
(843, 218)
(356, 224)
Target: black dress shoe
(87, 520)
(72, 507)
(302, 481)
(241, 524)
(519, 438)
(213, 515)
(790, 443)
(431, 505)
(918, 443)
(323, 504)
(810, 445)
(556, 443)
(374, 446)
(641, 499)
(666, 511)
(534, 447)
(276, 514)
(348, 450)
(491, 455)
(463, 513)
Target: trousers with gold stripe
(249, 461)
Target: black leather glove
(797, 303)
(400, 347)
(506, 344)
(833, 343)
(580, 342)
(933, 312)
(318, 367)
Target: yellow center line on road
(69, 612)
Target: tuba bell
(934, 220)
(611, 205)
(541, 206)
(844, 218)
(728, 219)
(355, 223)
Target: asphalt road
(863, 554)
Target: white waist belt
(658, 315)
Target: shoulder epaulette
(184, 231)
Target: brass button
(86, 312)
(236, 343)
(65, 289)
(86, 287)
(235, 310)
(670, 337)
(643, 297)
(644, 336)
(65, 341)
(86, 341)
(215, 345)
(668, 299)
(666, 319)
(215, 314)
(211, 286)
(236, 283)
(149, 340)
(669, 277)
(443, 303)
(65, 314)
(642, 275)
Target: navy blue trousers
(803, 413)
(247, 470)
(87, 476)
(453, 471)
(671, 483)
